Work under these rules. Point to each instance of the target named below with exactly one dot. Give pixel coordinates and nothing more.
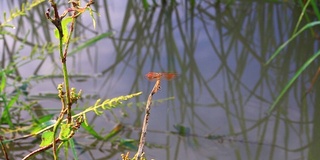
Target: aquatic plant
(58, 133)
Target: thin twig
(40, 149)
(3, 148)
(146, 119)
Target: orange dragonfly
(153, 76)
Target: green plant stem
(65, 72)
(65, 100)
(67, 87)
(55, 128)
(66, 82)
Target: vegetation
(156, 28)
(308, 27)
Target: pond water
(216, 107)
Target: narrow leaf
(91, 131)
(44, 118)
(42, 126)
(91, 42)
(3, 81)
(73, 148)
(128, 143)
(114, 132)
(286, 88)
(276, 53)
(6, 115)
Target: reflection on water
(223, 90)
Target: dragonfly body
(153, 76)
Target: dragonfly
(154, 76)
(151, 76)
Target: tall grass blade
(73, 148)
(91, 131)
(111, 134)
(3, 81)
(315, 8)
(91, 42)
(276, 53)
(301, 16)
(286, 88)
(42, 126)
(6, 115)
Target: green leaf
(45, 118)
(315, 7)
(64, 25)
(3, 81)
(128, 143)
(66, 146)
(114, 131)
(91, 42)
(277, 52)
(96, 135)
(6, 115)
(65, 131)
(73, 148)
(46, 138)
(91, 131)
(42, 126)
(293, 79)
(306, 64)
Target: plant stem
(40, 150)
(66, 103)
(55, 128)
(65, 72)
(3, 148)
(146, 120)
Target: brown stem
(155, 89)
(40, 150)
(3, 148)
